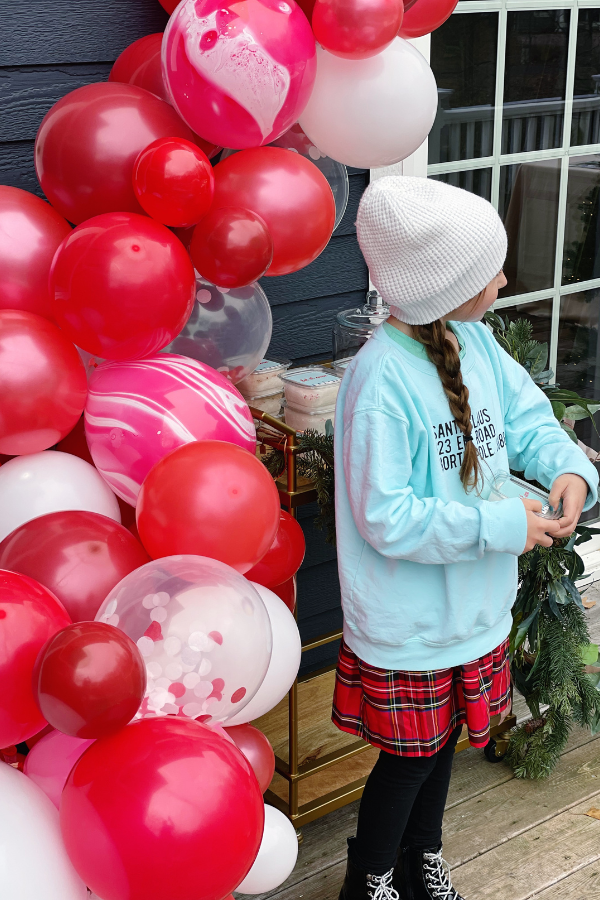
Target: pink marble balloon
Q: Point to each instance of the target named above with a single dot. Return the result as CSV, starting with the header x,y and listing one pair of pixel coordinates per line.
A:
x,y
139,410
239,72
51,760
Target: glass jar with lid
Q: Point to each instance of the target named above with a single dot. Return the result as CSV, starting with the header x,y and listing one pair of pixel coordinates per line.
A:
x,y
354,327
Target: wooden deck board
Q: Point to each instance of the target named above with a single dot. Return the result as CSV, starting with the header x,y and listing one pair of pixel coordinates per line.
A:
x,y
584,884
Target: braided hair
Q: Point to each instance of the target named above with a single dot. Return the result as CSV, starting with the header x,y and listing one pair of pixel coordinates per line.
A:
x,y
445,358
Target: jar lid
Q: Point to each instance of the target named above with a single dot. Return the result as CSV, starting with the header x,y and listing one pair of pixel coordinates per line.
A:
x,y
311,377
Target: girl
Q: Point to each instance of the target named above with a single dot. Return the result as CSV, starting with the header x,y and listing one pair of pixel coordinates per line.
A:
x,y
428,567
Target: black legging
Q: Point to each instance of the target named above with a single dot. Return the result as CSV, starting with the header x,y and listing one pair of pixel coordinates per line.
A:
x,y
402,805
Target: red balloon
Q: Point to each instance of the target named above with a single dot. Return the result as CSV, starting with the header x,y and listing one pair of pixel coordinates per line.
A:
x,y
29,616
231,247
140,64
283,188
356,29
30,232
169,5
162,810
288,592
79,556
123,286
283,558
424,16
88,142
209,498
90,680
258,751
307,7
42,383
173,181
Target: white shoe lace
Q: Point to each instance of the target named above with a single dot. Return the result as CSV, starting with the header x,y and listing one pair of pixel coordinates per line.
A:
x,y
437,876
382,884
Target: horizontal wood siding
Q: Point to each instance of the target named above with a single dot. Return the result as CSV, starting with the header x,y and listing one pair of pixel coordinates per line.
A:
x,y
51,47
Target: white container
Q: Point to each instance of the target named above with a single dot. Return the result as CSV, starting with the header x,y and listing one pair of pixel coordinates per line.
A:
x,y
303,419
265,379
340,365
313,387
268,402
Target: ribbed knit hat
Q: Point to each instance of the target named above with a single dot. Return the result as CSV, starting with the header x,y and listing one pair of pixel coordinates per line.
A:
x,y
429,246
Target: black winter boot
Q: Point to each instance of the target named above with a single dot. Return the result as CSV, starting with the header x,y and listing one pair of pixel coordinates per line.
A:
x,y
423,875
360,886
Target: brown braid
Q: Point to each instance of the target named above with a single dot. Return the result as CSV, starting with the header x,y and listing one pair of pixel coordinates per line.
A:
x,y
443,355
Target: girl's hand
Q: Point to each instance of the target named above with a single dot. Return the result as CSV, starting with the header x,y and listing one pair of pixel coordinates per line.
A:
x,y
573,490
539,531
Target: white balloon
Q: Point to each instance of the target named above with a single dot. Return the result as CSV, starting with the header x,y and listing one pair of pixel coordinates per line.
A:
x,y
371,112
276,857
31,486
33,861
285,660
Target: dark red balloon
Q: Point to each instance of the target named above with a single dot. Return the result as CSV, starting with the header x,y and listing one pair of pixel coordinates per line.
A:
x,y
424,16
88,142
284,189
169,5
30,232
283,558
123,286
356,29
79,556
231,247
209,498
140,64
29,616
173,181
288,592
43,386
89,680
258,751
162,810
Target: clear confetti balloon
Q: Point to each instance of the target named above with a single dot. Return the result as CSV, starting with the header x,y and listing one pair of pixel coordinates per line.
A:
x,y
228,330
203,631
335,172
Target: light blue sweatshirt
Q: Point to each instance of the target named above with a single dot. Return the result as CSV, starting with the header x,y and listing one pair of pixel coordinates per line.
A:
x,y
428,572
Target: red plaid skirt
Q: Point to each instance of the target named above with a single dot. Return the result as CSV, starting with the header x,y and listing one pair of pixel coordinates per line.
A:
x,y
414,713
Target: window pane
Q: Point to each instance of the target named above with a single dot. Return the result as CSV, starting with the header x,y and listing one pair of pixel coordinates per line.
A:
x,y
528,205
578,362
478,181
538,313
534,80
581,258
585,127
463,59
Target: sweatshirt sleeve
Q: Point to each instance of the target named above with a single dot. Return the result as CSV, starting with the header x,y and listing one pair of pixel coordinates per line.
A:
x,y
398,524
535,442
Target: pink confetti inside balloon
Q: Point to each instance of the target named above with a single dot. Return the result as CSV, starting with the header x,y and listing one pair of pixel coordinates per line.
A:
x,y
138,411
204,633
241,72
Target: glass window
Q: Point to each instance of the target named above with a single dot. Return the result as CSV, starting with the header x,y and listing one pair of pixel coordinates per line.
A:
x,y
528,205
581,258
478,181
578,359
585,125
463,59
535,79
538,313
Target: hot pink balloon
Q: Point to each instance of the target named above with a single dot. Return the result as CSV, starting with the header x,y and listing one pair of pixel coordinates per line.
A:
x,y
140,410
241,72
51,760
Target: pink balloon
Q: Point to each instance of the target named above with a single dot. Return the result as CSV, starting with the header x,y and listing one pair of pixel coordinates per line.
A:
x,y
140,410
239,72
51,760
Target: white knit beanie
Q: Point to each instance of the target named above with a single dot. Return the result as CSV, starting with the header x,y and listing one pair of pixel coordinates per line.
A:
x,y
429,246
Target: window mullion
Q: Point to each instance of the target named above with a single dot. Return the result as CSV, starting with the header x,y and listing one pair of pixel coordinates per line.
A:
x,y
499,103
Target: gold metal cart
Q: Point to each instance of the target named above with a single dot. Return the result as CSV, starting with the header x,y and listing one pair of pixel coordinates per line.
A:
x,y
294,492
